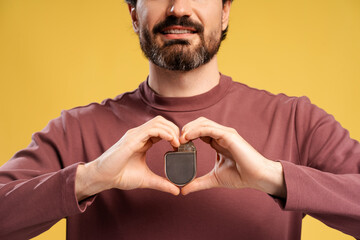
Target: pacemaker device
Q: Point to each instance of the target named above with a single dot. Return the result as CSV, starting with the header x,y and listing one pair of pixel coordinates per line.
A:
x,y
180,166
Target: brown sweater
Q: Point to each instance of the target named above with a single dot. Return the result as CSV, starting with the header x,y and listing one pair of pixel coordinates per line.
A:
x,y
321,166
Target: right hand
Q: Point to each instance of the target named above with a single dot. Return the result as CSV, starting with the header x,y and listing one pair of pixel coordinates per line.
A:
x,y
123,165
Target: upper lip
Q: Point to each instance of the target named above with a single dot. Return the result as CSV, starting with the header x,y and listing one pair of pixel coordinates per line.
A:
x,y
177,27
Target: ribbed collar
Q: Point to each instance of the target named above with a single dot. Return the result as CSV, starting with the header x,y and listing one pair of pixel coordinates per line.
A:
x,y
185,104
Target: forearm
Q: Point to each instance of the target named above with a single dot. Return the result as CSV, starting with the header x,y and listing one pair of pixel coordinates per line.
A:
x,y
331,198
33,205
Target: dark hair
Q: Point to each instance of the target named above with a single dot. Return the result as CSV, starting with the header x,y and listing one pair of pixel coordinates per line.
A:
x,y
223,33
133,2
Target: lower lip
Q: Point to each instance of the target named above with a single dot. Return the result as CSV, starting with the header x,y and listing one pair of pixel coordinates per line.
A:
x,y
178,36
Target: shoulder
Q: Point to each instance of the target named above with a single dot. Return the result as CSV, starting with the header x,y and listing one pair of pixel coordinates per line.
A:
x,y
267,106
104,108
94,114
263,99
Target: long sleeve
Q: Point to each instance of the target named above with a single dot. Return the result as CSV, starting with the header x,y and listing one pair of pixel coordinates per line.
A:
x,y
37,184
326,183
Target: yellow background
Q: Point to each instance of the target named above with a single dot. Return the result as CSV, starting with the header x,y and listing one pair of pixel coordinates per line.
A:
x,y
56,55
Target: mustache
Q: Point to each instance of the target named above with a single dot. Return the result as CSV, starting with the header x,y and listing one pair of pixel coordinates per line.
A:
x,y
182,21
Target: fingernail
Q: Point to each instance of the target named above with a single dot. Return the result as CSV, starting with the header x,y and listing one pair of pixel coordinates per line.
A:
x,y
183,136
183,133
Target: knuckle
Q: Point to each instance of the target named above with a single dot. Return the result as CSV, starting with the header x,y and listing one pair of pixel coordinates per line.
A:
x,y
153,121
158,118
233,130
202,119
130,131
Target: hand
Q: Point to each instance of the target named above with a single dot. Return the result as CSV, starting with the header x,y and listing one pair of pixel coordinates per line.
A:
x,y
123,166
238,164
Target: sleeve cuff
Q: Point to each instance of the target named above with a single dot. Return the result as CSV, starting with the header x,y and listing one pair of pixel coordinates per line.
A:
x,y
69,200
292,184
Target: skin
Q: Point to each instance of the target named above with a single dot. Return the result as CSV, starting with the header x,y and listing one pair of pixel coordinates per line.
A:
x,y
210,14
238,164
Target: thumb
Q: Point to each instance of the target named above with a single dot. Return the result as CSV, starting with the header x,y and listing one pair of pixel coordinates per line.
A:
x,y
156,182
205,182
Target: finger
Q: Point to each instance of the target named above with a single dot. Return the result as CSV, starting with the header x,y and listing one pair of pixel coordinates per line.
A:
x,y
156,182
213,144
174,127
165,122
187,127
202,127
162,133
221,138
160,122
205,182
201,131
161,128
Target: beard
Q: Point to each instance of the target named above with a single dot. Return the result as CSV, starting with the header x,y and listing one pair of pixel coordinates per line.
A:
x,y
179,54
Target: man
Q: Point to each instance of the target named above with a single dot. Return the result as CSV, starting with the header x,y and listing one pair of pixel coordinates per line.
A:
x,y
263,160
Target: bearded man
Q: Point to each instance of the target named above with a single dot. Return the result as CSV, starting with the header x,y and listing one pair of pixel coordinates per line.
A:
x,y
263,160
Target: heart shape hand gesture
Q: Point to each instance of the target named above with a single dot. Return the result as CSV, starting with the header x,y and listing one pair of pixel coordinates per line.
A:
x,y
123,166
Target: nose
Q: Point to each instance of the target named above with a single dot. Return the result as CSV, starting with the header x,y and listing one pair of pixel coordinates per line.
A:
x,y
179,8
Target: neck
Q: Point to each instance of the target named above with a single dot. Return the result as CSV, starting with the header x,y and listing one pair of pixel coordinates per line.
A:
x,y
184,84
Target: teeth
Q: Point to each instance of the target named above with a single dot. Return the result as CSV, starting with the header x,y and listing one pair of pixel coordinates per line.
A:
x,y
177,31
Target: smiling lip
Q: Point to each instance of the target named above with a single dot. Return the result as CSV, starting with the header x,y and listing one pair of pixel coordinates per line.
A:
x,y
178,32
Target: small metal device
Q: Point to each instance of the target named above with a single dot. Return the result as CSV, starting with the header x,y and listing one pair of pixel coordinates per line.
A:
x,y
180,166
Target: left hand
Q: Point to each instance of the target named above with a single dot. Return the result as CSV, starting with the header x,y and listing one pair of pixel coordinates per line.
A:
x,y
238,164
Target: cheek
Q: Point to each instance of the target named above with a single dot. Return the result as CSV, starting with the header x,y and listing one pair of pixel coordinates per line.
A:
x,y
212,19
150,15
213,29
143,15
143,21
